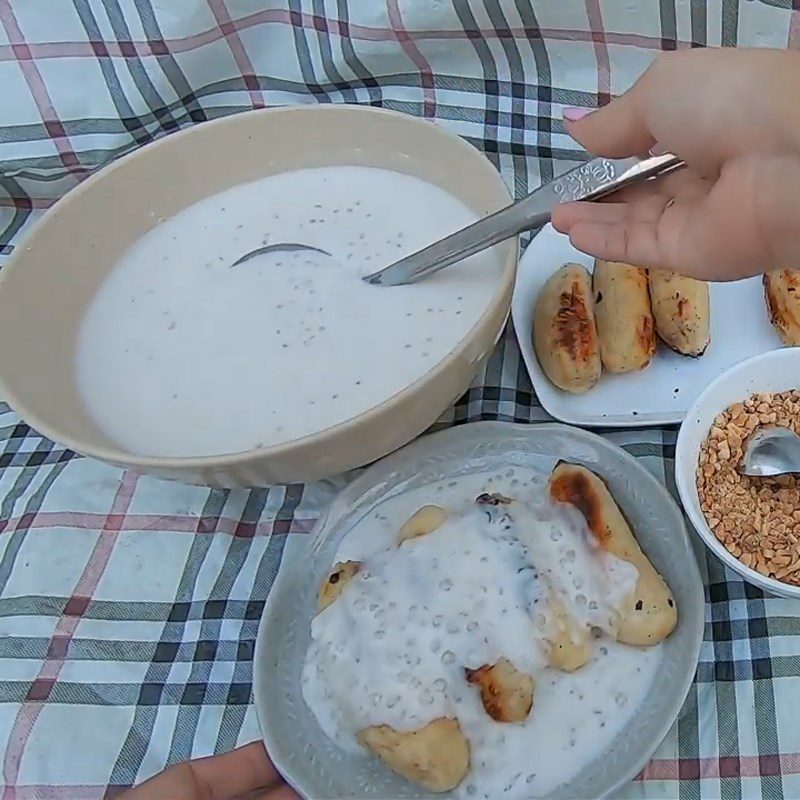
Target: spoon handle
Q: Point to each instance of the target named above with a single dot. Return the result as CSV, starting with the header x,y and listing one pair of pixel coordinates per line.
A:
x,y
590,181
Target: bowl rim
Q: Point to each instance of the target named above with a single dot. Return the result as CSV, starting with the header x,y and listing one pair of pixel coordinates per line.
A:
x,y
686,464
417,448
119,455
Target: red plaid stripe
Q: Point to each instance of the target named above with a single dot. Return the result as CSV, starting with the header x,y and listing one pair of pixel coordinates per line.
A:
x,y
143,48
39,92
65,629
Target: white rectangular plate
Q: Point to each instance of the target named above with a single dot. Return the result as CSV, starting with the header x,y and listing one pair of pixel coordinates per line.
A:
x,y
662,393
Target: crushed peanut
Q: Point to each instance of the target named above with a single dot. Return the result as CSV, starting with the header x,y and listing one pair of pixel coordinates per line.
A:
x,y
756,519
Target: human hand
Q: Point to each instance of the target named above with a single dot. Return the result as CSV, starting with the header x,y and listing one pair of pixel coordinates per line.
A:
x,y
246,773
732,115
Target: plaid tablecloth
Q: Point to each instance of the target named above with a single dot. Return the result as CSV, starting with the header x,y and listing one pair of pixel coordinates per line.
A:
x,y
129,606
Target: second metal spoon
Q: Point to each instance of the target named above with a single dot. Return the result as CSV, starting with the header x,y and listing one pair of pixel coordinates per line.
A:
x,y
771,451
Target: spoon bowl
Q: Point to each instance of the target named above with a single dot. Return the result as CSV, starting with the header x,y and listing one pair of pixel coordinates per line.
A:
x,y
286,247
771,450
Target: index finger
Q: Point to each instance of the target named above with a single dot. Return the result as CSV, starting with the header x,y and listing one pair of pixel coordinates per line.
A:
x,y
236,773
221,777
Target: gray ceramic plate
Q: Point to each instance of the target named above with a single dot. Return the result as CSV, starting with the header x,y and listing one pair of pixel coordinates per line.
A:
x,y
299,748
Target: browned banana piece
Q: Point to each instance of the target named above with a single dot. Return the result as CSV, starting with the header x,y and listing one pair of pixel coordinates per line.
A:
x,y
624,320
333,585
425,520
436,757
682,311
506,692
782,295
564,330
648,614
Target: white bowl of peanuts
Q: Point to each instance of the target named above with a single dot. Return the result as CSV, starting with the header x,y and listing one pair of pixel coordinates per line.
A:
x,y
751,524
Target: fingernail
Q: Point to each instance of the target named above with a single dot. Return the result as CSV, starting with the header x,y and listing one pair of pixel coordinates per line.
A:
x,y
573,114
657,150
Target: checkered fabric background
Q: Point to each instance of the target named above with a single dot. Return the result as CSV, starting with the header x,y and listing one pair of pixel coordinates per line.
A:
x,y
129,606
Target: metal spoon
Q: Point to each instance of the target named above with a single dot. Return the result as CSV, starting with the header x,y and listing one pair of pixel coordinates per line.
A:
x,y
771,451
593,180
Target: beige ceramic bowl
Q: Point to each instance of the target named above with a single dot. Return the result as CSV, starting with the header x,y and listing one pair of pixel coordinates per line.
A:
x,y
49,282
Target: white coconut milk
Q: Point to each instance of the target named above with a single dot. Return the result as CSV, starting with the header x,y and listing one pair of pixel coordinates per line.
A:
x,y
393,647
182,355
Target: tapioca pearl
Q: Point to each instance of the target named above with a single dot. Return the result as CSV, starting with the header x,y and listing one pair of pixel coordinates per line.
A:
x,y
452,628
376,699
440,685
555,535
437,621
580,600
448,657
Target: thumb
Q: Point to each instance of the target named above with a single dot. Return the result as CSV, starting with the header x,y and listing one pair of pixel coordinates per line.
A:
x,y
617,130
